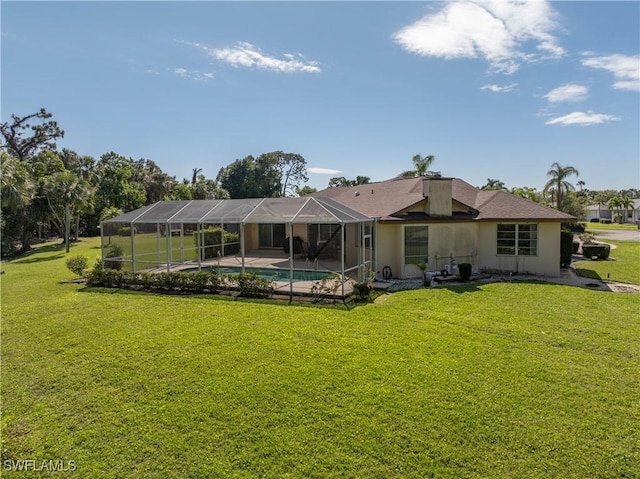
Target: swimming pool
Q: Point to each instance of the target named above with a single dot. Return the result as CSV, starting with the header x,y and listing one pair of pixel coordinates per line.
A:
x,y
274,274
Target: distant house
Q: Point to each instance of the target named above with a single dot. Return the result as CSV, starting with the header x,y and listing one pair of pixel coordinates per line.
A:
x,y
603,212
443,221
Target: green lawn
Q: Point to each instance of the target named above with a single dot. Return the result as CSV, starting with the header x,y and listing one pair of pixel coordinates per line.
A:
x,y
611,226
500,380
623,264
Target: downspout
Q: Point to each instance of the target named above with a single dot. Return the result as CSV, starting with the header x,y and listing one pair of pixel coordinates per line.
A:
x,y
342,256
133,248
198,244
168,233
290,261
242,244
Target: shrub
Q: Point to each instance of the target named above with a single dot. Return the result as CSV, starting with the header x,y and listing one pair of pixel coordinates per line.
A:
x,y
464,270
605,221
78,264
566,248
200,282
251,285
211,240
601,251
594,220
113,257
574,227
362,290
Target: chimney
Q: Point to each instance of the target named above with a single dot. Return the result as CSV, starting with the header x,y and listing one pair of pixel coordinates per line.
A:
x,y
437,191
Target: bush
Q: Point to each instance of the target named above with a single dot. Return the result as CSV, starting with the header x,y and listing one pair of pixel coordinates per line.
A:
x,y
197,282
575,247
78,264
464,270
601,251
566,248
362,290
211,240
574,227
113,251
605,221
251,285
126,231
594,220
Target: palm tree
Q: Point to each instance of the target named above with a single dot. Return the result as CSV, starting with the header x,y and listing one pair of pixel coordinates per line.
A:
x,y
626,204
494,185
421,166
558,182
17,188
68,190
581,184
615,203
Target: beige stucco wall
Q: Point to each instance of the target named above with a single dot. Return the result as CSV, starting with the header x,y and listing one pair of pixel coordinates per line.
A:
x,y
546,263
459,239
473,243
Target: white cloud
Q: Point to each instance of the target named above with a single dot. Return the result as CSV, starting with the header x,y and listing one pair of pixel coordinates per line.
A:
x,y
495,31
196,75
569,92
582,118
323,171
625,69
245,54
499,88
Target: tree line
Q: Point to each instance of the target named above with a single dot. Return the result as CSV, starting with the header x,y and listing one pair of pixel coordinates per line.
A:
x,y
46,191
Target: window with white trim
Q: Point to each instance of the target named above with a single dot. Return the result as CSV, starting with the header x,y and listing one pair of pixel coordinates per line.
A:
x,y
517,239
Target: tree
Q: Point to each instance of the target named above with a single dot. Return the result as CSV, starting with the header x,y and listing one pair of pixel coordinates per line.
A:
x,y
65,193
558,183
528,193
421,165
291,168
615,203
306,190
581,184
43,134
117,184
251,178
342,181
194,176
626,204
494,185
17,191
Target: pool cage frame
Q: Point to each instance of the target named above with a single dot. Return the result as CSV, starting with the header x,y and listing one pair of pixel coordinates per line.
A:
x,y
171,219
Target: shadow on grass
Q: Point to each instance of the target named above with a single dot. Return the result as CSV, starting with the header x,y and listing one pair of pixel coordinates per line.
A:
x,y
462,288
226,296
588,273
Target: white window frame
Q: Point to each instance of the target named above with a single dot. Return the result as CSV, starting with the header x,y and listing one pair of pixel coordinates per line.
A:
x,y
522,233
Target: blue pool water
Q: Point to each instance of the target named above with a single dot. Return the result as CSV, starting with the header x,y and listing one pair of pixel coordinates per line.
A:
x,y
268,273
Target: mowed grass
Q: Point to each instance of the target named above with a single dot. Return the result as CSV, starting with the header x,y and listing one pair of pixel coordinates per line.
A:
x,y
611,226
497,380
623,264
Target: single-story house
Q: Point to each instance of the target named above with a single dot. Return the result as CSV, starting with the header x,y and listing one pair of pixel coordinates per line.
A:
x,y
603,212
443,221
393,228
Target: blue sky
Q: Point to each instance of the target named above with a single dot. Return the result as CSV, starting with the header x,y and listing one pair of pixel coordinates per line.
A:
x,y
492,89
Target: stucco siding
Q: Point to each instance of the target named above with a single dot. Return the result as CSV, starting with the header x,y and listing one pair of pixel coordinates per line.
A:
x,y
546,262
459,240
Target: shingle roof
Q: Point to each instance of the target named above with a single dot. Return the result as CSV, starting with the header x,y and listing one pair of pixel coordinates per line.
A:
x,y
386,199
